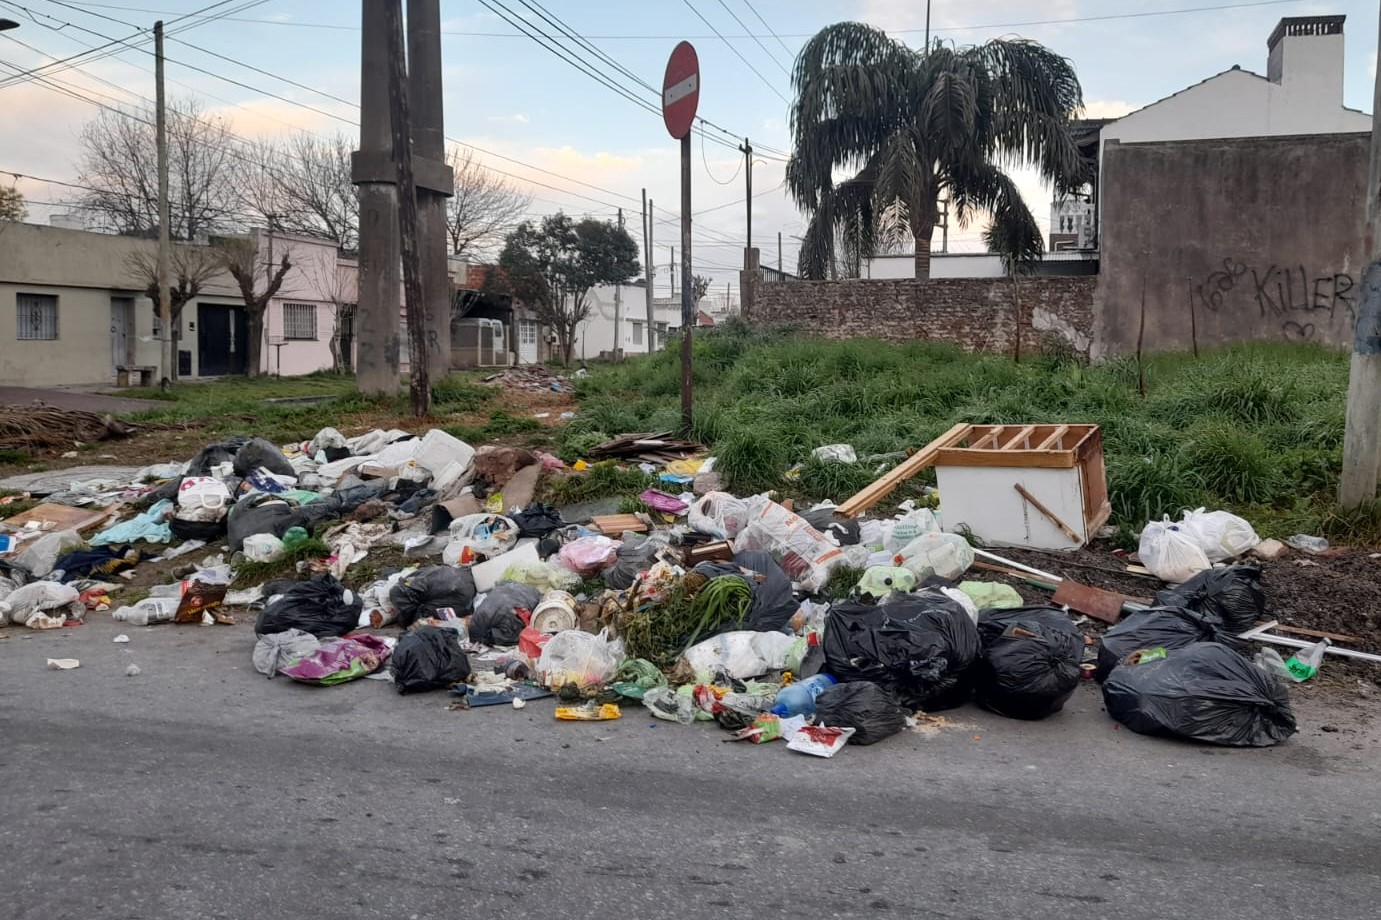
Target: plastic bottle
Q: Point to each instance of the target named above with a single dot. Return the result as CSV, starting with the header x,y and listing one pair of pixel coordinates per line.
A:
x,y
1305,663
799,698
149,611
295,536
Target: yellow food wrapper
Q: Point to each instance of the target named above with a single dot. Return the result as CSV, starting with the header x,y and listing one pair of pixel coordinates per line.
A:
x,y
604,713
684,467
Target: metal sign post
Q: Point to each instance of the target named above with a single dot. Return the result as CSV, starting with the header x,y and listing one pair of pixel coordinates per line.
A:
x,y
680,99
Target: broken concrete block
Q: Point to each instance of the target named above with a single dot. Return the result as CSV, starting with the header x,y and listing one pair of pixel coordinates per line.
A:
x,y
1269,549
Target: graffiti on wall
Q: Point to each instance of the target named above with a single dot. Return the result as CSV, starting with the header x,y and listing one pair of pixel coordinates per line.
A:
x,y
1303,303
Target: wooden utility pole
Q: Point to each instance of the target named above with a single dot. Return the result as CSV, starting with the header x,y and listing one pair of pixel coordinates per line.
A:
x,y
779,256
618,305
671,263
400,122
651,270
1362,438
165,304
377,346
747,150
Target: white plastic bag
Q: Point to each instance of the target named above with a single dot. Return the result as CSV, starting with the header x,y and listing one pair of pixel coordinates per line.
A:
x,y
486,535
580,658
1220,534
946,555
805,554
42,605
742,654
835,453
719,515
326,438
1171,554
263,547
202,498
908,527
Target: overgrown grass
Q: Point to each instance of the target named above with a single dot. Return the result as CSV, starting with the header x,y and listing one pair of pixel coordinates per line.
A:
x,y
1254,428
602,480
257,573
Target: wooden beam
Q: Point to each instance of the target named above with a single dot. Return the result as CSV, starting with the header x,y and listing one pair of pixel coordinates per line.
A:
x,y
992,436
1054,439
1050,516
1022,436
1039,459
872,494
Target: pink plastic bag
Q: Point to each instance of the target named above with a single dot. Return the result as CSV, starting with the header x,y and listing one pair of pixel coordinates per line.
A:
x,y
340,660
589,555
661,501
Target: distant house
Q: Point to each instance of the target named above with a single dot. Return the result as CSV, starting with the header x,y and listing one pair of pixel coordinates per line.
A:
x,y
1301,93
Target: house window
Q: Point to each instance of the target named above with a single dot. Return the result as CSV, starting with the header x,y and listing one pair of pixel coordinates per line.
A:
x,y
36,317
527,332
637,333
299,322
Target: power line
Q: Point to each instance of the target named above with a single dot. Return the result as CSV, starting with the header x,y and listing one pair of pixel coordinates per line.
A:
x,y
754,10
769,54
735,50
778,36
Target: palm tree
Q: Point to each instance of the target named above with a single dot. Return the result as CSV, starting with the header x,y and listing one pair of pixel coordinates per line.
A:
x,y
910,126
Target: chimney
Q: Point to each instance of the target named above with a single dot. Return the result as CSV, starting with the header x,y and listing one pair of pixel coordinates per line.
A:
x,y
1305,55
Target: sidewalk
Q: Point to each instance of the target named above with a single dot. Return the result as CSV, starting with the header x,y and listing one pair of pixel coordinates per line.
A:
x,y
71,399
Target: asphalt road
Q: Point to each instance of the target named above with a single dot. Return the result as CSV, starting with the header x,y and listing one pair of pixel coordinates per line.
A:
x,y
199,789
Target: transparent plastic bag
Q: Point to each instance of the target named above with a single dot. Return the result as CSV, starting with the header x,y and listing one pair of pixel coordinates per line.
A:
x,y
718,514
945,555
39,556
580,658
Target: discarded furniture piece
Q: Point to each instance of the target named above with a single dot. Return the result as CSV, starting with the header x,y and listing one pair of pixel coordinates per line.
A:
x,y
124,372
1041,486
50,517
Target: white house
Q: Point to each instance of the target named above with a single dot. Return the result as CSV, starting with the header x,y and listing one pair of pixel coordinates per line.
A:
x,y
598,335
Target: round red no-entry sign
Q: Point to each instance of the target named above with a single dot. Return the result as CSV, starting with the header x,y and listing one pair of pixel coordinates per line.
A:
x,y
681,90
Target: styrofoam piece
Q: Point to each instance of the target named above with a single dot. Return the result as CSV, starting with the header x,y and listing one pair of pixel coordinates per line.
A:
x,y
487,574
438,449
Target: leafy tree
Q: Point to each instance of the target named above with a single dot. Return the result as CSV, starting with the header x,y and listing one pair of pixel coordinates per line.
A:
x,y
552,267
12,204
910,126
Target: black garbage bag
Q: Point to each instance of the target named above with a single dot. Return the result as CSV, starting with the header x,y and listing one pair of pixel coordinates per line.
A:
x,y
632,557
537,520
213,455
428,658
921,646
263,513
496,621
208,531
773,603
1206,692
874,713
825,520
1233,594
1030,661
258,453
1159,627
427,590
321,606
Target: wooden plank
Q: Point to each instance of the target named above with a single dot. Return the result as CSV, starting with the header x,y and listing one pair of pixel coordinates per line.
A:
x,y
1051,516
1020,438
1040,459
611,525
1312,633
991,436
872,494
1055,438
63,517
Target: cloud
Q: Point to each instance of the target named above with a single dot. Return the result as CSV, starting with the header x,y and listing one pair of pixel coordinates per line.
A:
x,y
954,20
1108,108
272,117
517,118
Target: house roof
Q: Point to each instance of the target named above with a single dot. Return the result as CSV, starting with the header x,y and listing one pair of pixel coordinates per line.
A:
x,y
1235,68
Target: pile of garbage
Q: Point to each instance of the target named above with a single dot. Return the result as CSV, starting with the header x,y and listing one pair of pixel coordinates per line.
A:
x,y
732,614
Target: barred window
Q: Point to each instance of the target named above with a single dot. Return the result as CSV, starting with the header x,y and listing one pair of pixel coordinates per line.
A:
x,y
299,321
36,317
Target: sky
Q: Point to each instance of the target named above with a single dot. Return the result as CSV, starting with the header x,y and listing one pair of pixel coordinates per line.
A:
x,y
577,145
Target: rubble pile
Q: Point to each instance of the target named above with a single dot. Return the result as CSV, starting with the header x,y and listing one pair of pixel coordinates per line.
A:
x,y
535,377
727,609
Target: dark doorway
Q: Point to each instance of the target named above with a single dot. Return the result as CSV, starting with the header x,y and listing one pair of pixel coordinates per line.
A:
x,y
347,337
221,340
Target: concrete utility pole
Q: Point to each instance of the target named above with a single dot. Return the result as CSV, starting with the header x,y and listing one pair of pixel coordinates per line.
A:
x,y
779,255
434,180
419,388
165,304
650,268
376,314
618,306
747,150
1362,439
672,264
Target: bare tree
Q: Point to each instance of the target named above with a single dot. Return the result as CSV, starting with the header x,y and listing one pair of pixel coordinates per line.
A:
x,y
190,268
240,257
119,163
700,286
484,208
339,285
302,184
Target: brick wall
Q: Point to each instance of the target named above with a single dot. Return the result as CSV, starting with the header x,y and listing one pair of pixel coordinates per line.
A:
x,y
975,313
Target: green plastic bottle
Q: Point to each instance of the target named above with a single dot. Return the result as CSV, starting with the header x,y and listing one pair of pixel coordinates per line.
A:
x,y
295,537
